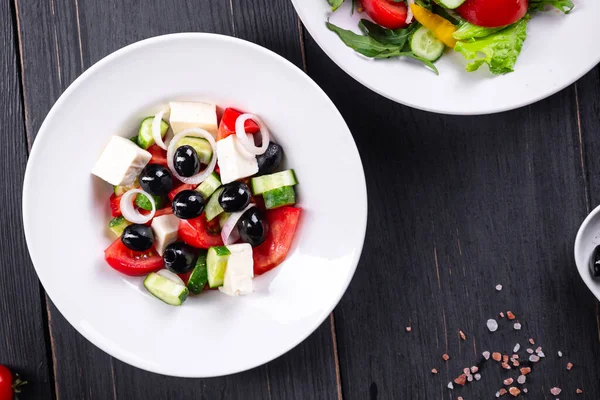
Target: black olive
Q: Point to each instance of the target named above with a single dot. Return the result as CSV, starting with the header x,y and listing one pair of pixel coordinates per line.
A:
x,y
253,227
138,237
188,204
156,179
180,257
270,159
186,161
595,262
235,196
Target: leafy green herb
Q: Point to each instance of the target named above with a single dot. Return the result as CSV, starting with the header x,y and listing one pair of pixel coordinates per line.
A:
x,y
395,37
365,45
408,54
424,3
500,49
468,31
565,6
335,4
144,203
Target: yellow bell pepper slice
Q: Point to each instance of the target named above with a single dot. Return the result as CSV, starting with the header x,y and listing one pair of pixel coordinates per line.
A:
x,y
441,27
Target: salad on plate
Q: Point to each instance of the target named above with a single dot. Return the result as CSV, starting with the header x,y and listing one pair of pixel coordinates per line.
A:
x,y
198,203
488,32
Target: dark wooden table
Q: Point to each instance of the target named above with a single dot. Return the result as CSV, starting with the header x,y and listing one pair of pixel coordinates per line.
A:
x,y
457,206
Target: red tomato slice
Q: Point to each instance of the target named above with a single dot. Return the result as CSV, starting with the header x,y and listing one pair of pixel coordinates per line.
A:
x,y
115,205
159,156
387,13
130,262
163,211
493,13
185,186
194,232
282,228
227,124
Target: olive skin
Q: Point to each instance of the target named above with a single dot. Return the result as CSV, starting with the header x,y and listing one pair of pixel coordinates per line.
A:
x,y
269,161
156,179
253,227
235,196
138,237
188,204
180,257
595,263
186,161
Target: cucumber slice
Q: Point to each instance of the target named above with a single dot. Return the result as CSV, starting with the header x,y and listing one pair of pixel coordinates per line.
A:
x,y
223,219
451,4
201,146
144,138
283,196
134,140
265,183
216,262
213,208
118,225
424,44
199,276
165,289
209,185
142,202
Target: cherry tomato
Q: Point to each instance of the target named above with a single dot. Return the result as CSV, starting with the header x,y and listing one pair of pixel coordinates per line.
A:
x,y
196,233
227,124
493,13
159,156
115,205
181,188
387,13
6,382
283,223
130,262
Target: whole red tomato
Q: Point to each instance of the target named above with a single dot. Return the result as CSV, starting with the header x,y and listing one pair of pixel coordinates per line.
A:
x,y
387,13
493,13
6,382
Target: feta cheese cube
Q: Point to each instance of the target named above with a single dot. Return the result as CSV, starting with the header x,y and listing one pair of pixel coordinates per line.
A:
x,y
233,164
121,161
240,271
185,115
165,231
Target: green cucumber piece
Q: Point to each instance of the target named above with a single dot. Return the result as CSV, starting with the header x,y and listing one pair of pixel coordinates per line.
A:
x,y
424,44
451,4
117,225
201,146
213,208
134,140
216,262
283,196
165,289
210,185
199,276
223,218
145,138
265,183
142,202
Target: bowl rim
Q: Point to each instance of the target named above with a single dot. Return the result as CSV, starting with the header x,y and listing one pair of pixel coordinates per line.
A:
x,y
43,135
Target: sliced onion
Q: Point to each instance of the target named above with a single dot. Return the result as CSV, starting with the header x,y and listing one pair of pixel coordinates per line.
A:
x,y
249,148
156,129
129,211
409,14
173,277
229,234
202,175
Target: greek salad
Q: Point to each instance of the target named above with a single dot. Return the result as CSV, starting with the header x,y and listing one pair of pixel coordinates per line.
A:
x,y
198,203
488,32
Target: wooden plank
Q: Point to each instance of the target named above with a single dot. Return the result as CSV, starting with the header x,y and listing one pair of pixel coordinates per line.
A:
x,y
458,205
22,342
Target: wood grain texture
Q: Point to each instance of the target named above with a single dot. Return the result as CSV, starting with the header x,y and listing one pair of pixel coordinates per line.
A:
x,y
22,343
456,206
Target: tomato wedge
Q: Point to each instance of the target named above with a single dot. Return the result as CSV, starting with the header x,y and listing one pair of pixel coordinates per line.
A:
x,y
159,156
133,263
283,223
195,233
115,205
387,13
493,13
181,188
227,124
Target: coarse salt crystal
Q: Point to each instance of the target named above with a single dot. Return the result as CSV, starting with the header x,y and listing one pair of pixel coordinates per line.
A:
x,y
560,353
569,366
579,391
555,391
517,326
486,355
462,335
477,377
508,381
470,378
497,394
434,371
474,369
530,351
501,314
510,315
498,287
514,391
521,379
408,329
534,358
541,354
531,341
516,348
450,385
492,325
525,390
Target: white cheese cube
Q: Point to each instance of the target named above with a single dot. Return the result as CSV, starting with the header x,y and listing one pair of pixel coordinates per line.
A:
x,y
165,231
185,115
233,164
240,271
121,161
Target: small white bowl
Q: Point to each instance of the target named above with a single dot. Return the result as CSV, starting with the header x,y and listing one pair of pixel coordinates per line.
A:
x,y
588,237
65,208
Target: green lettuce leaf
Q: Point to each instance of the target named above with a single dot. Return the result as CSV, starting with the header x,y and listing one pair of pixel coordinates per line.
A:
x,y
335,4
565,6
499,50
468,31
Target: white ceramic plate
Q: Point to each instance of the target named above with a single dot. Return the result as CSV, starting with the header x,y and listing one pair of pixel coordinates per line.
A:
x,y
588,237
559,50
65,208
